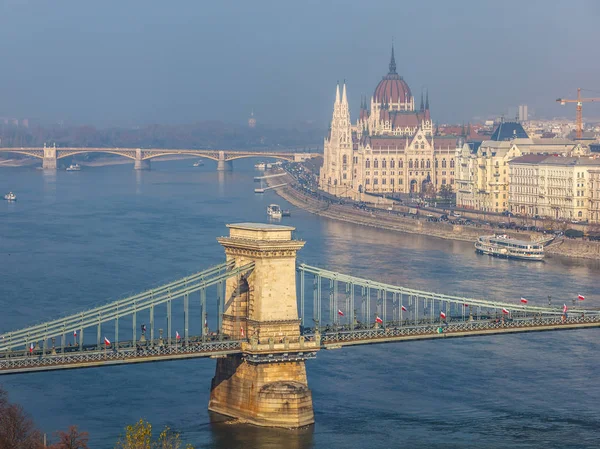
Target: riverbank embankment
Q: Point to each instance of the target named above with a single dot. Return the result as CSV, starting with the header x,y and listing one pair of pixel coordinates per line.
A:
x,y
412,224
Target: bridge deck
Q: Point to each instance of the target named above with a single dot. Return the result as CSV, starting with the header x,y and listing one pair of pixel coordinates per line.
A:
x,y
73,358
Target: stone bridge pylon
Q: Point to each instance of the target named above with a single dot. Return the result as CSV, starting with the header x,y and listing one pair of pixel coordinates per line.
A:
x,y
266,385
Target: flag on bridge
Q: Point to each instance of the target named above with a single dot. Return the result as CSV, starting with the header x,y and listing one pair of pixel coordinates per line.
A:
x,y
242,331
405,309
177,336
466,305
524,301
565,308
580,297
106,341
74,334
340,313
31,348
442,315
506,312
378,320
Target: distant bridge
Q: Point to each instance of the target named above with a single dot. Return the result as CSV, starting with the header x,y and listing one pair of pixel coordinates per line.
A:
x,y
260,330
142,157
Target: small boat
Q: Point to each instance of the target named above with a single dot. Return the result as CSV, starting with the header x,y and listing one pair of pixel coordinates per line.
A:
x,y
286,213
260,166
509,248
274,211
75,167
10,197
199,163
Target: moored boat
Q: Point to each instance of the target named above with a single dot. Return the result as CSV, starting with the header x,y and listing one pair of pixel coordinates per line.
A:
x,y
199,163
10,197
274,211
509,248
74,167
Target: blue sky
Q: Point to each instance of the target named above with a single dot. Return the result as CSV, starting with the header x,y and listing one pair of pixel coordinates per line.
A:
x,y
144,61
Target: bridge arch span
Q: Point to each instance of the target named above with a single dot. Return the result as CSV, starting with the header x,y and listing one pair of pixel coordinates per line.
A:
x,y
64,154
32,153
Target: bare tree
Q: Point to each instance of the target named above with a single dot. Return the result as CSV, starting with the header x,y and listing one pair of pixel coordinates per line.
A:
x,y
17,430
71,439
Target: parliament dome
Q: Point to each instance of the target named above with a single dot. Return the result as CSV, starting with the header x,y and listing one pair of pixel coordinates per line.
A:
x,y
392,88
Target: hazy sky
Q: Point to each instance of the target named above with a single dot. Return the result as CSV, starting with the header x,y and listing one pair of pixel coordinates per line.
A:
x,y
139,61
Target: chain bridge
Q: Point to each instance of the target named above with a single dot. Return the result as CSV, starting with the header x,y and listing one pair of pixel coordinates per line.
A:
x,y
141,157
262,316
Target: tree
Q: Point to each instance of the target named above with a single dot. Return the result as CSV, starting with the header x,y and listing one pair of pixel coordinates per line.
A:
x,y
139,436
71,439
446,191
17,430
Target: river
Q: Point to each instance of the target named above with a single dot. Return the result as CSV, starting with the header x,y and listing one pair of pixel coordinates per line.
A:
x,y
77,239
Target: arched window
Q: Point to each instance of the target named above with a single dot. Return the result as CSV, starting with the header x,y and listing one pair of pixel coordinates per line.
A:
x,y
344,159
422,163
375,163
400,163
452,164
368,164
410,164
422,146
443,163
383,164
436,163
428,164
392,164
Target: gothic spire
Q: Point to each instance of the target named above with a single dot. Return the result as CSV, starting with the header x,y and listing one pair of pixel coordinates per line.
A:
x,y
344,98
427,101
337,93
422,107
392,62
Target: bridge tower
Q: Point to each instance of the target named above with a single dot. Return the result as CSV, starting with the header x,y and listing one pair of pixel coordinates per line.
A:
x,y
223,164
266,385
140,163
50,160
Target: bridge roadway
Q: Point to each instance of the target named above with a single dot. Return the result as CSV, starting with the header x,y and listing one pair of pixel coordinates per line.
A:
x,y
73,357
142,156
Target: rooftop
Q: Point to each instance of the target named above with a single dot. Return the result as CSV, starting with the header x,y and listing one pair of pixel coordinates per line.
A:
x,y
260,227
509,131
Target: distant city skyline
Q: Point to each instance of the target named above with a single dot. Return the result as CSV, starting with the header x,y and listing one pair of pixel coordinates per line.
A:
x,y
134,63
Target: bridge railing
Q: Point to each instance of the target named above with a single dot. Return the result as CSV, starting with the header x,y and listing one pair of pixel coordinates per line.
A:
x,y
348,301
76,324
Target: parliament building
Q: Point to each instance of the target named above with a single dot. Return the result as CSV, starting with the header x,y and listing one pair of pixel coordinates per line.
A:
x,y
392,147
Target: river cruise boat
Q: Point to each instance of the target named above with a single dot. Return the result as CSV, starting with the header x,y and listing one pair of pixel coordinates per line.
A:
x,y
260,166
509,248
74,167
10,197
199,163
274,211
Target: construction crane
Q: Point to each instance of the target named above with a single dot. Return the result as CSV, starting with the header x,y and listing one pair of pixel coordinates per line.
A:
x,y
579,102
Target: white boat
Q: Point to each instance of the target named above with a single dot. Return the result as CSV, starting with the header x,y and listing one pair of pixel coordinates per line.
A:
x,y
260,166
509,248
274,211
10,197
199,163
72,167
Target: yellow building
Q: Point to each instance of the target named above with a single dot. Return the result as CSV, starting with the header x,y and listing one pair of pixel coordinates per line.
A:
x,y
553,186
594,189
482,178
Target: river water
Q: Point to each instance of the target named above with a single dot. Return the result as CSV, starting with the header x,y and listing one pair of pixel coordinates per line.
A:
x,y
74,240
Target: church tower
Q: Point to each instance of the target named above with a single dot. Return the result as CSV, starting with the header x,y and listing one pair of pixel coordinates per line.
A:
x,y
336,173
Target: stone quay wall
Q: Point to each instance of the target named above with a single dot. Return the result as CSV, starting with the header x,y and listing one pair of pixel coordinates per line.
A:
x,y
383,219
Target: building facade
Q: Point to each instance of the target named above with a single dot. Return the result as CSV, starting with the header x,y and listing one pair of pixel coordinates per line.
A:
x,y
482,174
594,189
392,147
554,187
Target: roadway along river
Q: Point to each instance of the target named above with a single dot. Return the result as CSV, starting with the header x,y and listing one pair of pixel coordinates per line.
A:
x,y
81,238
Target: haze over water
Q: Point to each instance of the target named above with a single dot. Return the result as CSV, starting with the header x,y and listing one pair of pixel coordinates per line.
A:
x,y
74,240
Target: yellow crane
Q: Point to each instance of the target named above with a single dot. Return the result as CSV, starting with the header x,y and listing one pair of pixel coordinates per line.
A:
x,y
579,116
